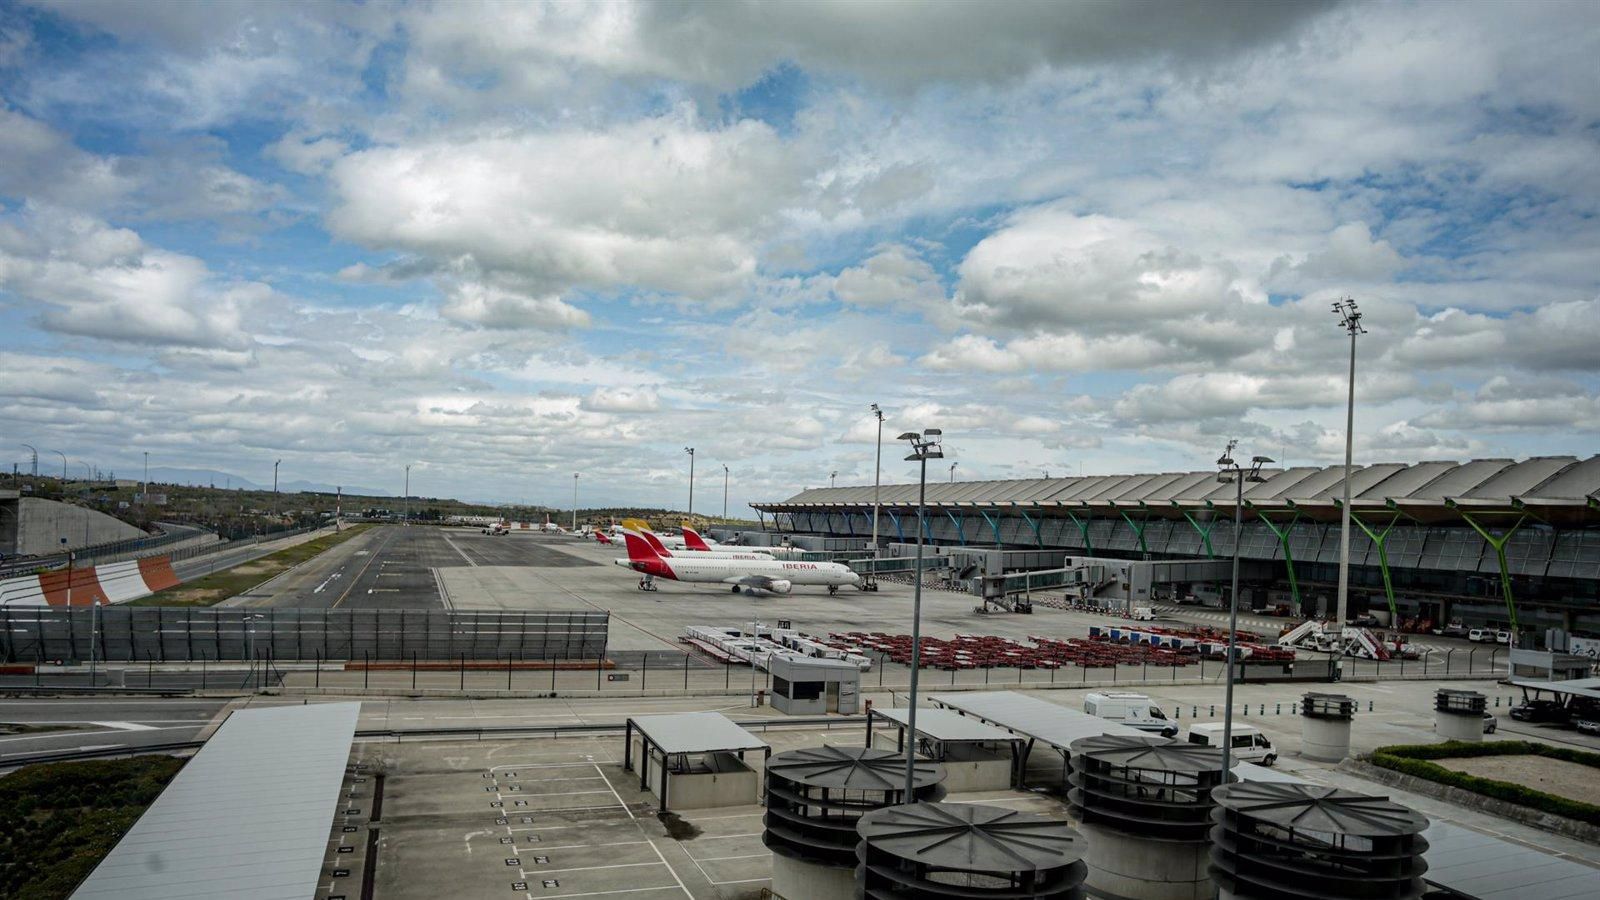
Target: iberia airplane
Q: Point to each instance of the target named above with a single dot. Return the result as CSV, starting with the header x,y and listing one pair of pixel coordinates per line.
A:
x,y
742,574
667,551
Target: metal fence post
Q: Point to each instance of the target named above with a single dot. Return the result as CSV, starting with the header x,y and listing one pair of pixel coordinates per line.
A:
x,y
463,673
727,674
597,664
366,670
202,672
686,670
552,677
318,675
644,671
508,672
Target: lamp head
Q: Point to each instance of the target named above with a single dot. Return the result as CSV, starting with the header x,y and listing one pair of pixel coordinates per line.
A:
x,y
933,432
1225,461
1258,460
909,436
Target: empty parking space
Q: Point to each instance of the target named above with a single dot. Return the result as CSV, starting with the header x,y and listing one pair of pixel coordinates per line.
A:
x,y
547,818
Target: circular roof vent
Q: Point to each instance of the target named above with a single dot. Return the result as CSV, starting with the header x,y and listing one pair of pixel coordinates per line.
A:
x,y
1148,786
815,796
1302,840
968,850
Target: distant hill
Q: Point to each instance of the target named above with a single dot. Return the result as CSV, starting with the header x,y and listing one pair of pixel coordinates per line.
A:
x,y
212,477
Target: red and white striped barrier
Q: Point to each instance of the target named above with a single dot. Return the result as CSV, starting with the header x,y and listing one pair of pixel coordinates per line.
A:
x,y
111,583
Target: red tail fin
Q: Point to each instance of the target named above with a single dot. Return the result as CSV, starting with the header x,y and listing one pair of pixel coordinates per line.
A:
x,y
655,543
639,550
692,539
601,537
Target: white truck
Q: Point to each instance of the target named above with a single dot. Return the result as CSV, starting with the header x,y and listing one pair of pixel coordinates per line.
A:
x,y
1130,709
1249,744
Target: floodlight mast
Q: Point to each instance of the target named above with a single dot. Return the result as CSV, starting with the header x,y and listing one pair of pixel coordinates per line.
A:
x,y
877,477
924,446
1350,320
1231,471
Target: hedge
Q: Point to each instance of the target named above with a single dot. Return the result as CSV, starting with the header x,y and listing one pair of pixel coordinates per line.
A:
x,y
58,820
1416,761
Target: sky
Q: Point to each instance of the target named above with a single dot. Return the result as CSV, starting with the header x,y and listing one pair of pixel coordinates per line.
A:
x,y
505,243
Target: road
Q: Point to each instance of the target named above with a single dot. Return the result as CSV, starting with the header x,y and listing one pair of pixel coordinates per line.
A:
x,y
93,722
392,567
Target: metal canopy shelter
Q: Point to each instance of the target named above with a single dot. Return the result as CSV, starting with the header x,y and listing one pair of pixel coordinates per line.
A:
x,y
943,727
248,817
1037,720
681,735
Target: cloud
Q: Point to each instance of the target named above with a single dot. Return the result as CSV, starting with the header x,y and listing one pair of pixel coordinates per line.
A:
x,y
623,400
83,277
492,307
727,45
659,204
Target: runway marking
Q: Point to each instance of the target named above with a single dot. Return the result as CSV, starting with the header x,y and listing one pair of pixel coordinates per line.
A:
x,y
125,726
386,541
458,550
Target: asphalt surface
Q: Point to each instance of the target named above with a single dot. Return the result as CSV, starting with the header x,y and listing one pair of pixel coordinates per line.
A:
x,y
393,567
101,722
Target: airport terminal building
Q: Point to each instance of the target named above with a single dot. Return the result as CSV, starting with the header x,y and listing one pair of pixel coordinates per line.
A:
x,y
1484,542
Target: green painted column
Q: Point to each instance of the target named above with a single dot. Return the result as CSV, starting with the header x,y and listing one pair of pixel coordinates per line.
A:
x,y
1380,540
961,531
1499,545
993,525
1288,555
1083,528
1037,539
1205,532
1138,530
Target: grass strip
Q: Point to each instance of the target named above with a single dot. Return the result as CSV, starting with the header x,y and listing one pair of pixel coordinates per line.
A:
x,y
219,586
1417,760
60,819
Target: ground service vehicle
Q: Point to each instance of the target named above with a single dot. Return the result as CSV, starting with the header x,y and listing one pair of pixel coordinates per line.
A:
x,y
1249,744
1130,709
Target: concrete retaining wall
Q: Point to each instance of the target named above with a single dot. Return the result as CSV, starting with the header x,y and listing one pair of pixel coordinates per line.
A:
x,y
41,524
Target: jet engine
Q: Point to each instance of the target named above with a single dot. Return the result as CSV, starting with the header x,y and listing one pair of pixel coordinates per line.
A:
x,y
781,586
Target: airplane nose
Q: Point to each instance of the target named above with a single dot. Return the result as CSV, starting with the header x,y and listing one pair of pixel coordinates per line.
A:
x,y
855,578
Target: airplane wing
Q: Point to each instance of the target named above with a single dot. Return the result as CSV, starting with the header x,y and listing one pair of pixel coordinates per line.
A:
x,y
759,582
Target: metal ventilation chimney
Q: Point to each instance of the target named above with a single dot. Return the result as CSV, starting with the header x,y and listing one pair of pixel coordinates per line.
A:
x,y
814,799
1325,721
967,851
1145,804
1275,840
1458,715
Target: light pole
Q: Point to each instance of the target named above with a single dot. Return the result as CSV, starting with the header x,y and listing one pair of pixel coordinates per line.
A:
x,y
1231,471
145,496
953,472
405,502
690,451
832,477
924,446
35,453
63,465
877,473
574,501
1350,319
724,492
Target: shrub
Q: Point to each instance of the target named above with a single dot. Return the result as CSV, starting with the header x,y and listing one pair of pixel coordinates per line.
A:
x,y
1417,761
60,819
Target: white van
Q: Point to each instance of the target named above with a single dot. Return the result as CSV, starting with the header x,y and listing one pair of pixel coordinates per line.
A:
x,y
1130,709
1249,744
1481,635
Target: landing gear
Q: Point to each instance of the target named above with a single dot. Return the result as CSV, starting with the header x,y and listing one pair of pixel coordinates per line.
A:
x,y
647,584
736,589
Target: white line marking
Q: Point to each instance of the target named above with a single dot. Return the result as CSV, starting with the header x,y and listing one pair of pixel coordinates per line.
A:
x,y
629,812
674,872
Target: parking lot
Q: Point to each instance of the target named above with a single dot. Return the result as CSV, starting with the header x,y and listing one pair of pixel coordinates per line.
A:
x,y
546,818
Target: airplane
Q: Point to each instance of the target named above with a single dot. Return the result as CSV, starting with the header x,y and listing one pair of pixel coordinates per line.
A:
x,y
600,537
741,574
665,550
